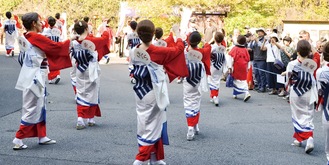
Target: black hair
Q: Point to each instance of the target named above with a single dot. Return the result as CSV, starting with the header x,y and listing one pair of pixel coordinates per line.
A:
x,y
86,19
241,40
8,14
194,39
51,21
29,18
158,33
80,27
145,30
133,25
219,37
57,15
326,51
304,48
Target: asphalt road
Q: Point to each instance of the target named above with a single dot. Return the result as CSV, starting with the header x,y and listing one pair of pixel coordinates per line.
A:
x,y
258,132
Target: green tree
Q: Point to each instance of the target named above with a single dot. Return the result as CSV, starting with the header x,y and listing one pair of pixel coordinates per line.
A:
x,y
254,13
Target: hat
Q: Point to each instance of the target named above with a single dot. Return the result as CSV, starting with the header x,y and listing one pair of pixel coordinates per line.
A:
x,y
194,38
261,30
241,40
287,38
274,35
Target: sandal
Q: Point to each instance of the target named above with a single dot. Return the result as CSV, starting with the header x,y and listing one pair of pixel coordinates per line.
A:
x,y
90,124
80,127
19,147
50,141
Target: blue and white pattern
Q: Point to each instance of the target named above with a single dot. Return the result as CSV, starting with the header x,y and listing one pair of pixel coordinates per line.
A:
x,y
11,33
82,58
82,102
299,128
133,40
323,87
218,59
302,81
143,80
21,57
240,87
54,38
195,73
191,112
10,28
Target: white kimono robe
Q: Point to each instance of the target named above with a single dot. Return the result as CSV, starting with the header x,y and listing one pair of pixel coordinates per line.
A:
x,y
87,76
31,81
194,84
322,76
217,65
10,32
151,96
303,95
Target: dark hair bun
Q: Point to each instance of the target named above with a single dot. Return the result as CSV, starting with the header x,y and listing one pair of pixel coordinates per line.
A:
x,y
194,38
145,30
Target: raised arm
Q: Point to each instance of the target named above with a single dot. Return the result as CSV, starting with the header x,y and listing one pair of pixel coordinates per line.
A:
x,y
263,47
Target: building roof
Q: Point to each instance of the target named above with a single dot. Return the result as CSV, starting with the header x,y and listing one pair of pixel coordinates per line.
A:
x,y
304,22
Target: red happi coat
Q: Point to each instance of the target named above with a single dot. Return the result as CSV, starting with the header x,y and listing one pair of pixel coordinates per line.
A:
x,y
241,58
57,53
172,58
170,40
206,54
101,44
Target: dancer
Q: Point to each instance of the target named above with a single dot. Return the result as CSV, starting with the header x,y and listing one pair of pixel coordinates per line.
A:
x,y
198,66
322,77
218,62
87,51
37,50
151,92
53,33
238,67
303,95
11,34
133,40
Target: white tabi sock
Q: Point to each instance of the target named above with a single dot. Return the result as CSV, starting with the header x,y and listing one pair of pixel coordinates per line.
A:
x,y
44,139
18,141
80,121
91,120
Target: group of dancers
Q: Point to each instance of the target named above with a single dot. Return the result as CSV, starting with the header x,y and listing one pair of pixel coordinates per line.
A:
x,y
40,52
153,63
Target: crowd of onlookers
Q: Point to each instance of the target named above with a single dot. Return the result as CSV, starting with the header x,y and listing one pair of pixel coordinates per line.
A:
x,y
266,48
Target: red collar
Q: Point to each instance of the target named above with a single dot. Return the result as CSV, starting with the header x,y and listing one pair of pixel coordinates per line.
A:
x,y
299,60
